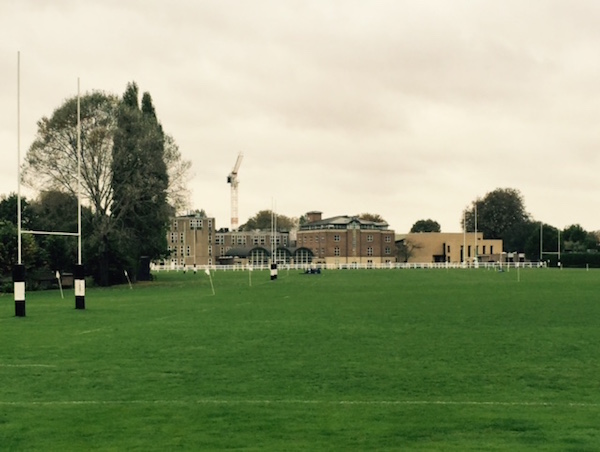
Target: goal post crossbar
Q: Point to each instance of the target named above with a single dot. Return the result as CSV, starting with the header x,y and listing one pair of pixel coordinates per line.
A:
x,y
25,231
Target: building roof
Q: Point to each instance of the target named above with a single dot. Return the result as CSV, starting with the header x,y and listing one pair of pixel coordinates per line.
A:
x,y
342,222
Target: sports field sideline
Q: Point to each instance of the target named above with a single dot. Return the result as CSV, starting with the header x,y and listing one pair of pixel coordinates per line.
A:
x,y
457,359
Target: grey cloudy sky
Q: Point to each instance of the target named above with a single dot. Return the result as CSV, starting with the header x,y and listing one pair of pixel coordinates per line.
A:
x,y
408,109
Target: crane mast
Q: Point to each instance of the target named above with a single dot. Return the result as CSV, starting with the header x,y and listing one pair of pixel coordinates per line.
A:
x,y
233,180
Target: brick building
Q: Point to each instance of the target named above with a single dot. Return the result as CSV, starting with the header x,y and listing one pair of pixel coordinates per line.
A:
x,y
346,240
342,240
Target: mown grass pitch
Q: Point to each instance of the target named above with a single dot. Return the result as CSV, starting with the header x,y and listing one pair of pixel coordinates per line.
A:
x,y
346,360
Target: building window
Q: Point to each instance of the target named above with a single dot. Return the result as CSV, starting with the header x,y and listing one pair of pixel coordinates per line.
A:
x,y
336,238
483,249
175,224
448,249
370,251
388,239
209,224
491,249
209,250
388,250
369,238
187,250
336,251
173,237
182,237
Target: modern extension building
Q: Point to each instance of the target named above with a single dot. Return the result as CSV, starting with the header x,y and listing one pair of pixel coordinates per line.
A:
x,y
453,247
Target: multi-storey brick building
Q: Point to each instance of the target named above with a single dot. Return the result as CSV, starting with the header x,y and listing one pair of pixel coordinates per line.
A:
x,y
346,240
342,240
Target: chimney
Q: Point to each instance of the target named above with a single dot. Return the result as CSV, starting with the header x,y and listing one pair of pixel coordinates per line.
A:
x,y
313,216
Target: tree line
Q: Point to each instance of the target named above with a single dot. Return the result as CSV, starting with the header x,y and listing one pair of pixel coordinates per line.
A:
x,y
501,214
133,179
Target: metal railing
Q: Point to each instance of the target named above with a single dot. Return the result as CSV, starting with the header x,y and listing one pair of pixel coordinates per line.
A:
x,y
353,266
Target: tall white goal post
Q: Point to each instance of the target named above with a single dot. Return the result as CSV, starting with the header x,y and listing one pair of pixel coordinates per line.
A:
x,y
19,268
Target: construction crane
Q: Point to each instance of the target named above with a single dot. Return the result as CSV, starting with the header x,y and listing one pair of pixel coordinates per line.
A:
x,y
232,179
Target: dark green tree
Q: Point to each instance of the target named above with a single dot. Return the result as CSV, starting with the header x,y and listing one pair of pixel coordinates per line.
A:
x,y
521,237
375,217
8,210
578,240
57,212
545,235
51,164
263,219
140,181
30,254
426,226
495,214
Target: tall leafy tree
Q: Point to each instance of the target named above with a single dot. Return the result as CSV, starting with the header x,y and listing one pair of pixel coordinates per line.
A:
x,y
51,164
577,239
496,213
140,179
262,221
51,161
426,226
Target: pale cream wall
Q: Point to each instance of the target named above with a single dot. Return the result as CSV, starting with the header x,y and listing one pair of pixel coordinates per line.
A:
x,y
426,245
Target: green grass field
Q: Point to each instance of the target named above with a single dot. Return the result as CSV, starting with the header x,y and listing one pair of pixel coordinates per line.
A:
x,y
449,360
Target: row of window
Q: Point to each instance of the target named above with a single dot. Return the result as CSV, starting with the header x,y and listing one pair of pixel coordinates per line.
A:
x,y
194,223
337,238
476,250
336,251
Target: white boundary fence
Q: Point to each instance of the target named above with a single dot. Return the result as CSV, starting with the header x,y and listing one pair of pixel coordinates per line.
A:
x,y
386,266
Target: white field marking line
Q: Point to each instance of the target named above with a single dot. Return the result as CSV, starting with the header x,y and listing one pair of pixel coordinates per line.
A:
x,y
89,331
300,402
27,365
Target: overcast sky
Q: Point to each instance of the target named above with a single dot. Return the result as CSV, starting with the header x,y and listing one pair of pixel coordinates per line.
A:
x,y
407,109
